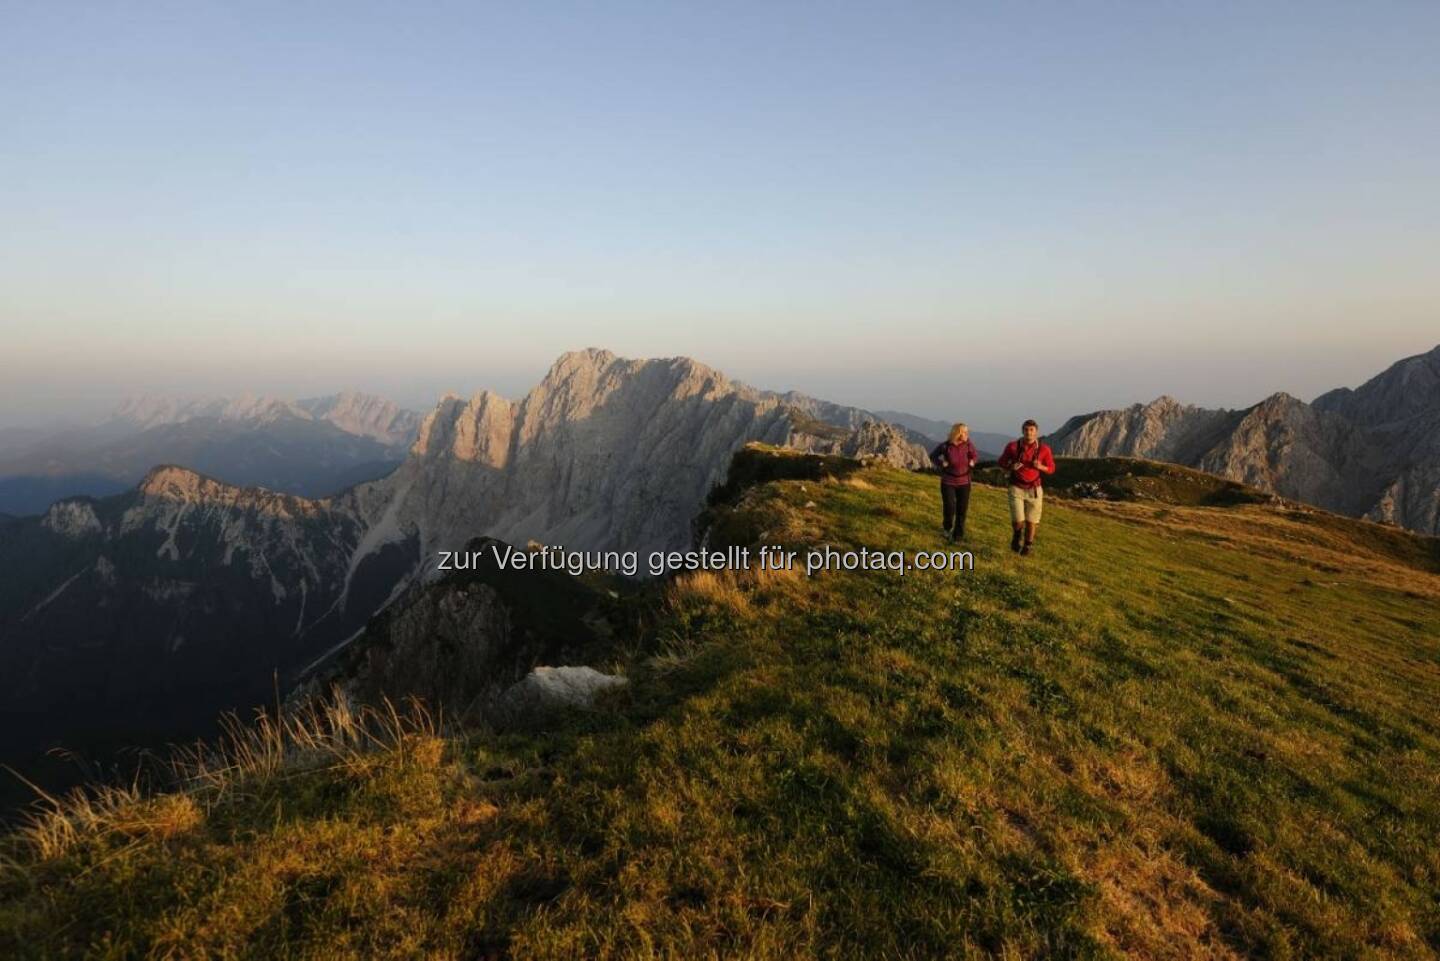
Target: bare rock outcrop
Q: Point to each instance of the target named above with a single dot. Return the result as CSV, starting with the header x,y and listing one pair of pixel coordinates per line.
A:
x,y
1404,395
547,692
1163,429
459,642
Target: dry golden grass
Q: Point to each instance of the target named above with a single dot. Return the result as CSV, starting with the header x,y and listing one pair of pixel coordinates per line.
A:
x,y
723,589
1156,906
318,733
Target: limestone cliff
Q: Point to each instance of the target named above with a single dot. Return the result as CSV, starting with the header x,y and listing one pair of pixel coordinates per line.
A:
x,y
605,452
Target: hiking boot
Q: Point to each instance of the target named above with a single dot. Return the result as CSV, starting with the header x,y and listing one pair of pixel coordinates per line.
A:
x,y
1025,550
1015,541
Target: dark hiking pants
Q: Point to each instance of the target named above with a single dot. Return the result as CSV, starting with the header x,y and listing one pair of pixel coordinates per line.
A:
x,y
955,499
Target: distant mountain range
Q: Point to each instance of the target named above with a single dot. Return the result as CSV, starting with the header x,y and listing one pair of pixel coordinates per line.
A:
x,y
1373,451
989,443
307,447
185,595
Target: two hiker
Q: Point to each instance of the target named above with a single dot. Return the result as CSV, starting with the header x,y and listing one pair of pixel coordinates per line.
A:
x,y
1026,460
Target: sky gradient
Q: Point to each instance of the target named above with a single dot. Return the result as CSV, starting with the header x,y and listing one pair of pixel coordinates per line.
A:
x,y
968,211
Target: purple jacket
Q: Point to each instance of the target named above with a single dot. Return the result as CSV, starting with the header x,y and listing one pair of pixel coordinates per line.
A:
x,y
955,471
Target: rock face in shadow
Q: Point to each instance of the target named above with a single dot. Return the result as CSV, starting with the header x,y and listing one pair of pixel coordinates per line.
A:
x,y
462,642
1400,409
1370,452
137,618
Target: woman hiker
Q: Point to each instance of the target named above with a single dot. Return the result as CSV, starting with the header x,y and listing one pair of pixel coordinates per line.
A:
x,y
955,457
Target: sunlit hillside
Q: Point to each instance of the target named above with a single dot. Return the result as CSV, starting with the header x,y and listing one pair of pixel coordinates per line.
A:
x,y
1173,731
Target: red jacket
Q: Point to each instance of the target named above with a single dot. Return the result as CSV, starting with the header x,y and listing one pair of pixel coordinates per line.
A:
x,y
1022,463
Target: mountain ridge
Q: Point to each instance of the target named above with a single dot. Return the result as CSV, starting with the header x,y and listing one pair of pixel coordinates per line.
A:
x,y
1371,451
603,452
310,447
354,412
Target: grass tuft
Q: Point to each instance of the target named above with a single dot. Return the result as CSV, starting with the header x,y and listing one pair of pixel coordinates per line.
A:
x,y
318,733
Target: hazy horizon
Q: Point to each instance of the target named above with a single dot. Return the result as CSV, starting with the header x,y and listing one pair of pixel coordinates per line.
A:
x,y
515,384
964,214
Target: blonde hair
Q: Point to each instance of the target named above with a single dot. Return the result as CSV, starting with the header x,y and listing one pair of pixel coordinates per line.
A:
x,y
955,430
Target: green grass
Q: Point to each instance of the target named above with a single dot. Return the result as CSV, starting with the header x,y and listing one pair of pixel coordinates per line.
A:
x,y
1132,479
1173,732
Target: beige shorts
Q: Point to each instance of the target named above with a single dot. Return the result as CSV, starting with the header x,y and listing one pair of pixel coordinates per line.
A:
x,y
1025,505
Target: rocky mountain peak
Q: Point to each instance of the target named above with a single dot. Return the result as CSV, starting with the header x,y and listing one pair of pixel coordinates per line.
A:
x,y
72,518
260,409
359,414
1406,390
169,486
1370,451
572,361
1280,403
174,482
478,429
366,415
148,410
604,452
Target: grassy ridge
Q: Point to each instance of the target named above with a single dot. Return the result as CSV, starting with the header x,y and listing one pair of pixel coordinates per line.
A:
x,y
1173,732
1130,478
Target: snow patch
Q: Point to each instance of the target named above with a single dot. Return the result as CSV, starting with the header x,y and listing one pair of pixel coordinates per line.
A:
x,y
386,530
53,594
330,653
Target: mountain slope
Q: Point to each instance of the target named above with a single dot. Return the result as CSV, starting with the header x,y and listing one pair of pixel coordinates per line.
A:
x,y
1400,407
362,415
1172,732
934,431
1373,451
138,616
1405,391
172,602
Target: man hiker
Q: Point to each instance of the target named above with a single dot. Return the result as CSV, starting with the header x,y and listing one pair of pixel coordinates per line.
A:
x,y
1027,459
955,457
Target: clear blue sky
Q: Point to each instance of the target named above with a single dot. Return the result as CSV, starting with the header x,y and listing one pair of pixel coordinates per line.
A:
x,y
885,204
